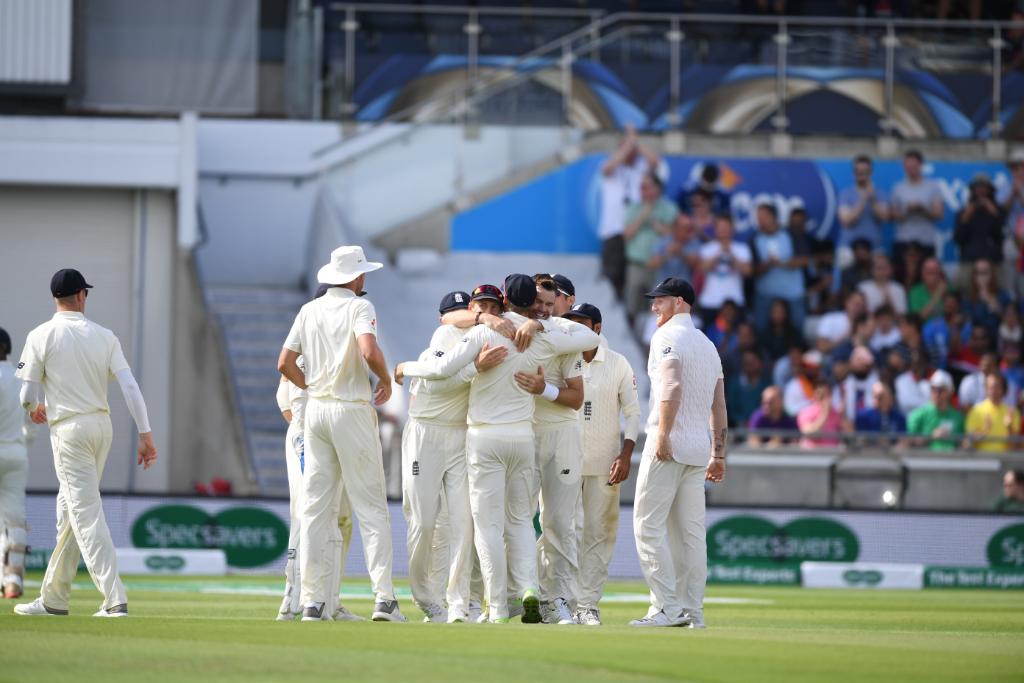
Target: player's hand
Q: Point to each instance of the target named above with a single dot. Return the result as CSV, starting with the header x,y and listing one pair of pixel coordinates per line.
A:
x,y
530,383
147,450
716,470
383,392
490,357
663,451
38,415
524,335
506,328
399,373
620,469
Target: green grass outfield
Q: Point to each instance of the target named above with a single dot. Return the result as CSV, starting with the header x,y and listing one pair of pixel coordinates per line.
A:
x,y
222,629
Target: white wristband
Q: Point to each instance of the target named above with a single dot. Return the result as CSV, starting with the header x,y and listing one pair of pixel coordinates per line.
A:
x,y
550,392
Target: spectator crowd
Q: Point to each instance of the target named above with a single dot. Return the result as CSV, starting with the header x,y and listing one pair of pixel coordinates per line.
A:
x,y
857,334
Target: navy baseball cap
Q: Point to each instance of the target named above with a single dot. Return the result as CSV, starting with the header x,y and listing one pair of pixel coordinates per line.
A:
x,y
67,282
588,311
5,341
565,287
487,292
520,289
454,301
674,286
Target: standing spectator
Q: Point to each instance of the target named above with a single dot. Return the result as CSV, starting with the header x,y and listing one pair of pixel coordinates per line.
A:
x,y
979,225
1011,199
819,421
938,420
881,289
621,176
799,391
985,301
944,336
743,390
702,216
854,393
835,327
885,417
678,254
991,422
1012,500
1010,332
926,296
779,270
859,270
724,263
718,198
912,387
862,210
916,207
770,417
973,390
781,335
647,222
814,256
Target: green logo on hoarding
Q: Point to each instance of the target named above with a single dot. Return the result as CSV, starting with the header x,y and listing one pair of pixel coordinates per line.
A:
x,y
867,577
249,536
170,563
1006,548
748,538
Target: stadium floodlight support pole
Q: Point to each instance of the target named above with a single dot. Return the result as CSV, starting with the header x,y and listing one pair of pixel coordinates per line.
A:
x,y
780,121
675,42
350,26
996,127
566,64
890,42
316,63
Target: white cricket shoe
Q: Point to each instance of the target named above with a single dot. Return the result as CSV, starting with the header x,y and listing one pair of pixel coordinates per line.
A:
x,y
342,614
387,610
315,612
114,612
475,612
588,617
36,608
457,616
694,618
557,612
287,616
434,614
657,619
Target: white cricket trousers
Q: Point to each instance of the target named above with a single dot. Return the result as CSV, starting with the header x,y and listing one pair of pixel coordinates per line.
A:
x,y
502,494
13,538
290,604
559,466
80,447
668,521
343,454
434,472
597,528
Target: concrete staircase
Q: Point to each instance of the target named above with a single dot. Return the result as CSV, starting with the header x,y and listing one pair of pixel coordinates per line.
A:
x,y
255,322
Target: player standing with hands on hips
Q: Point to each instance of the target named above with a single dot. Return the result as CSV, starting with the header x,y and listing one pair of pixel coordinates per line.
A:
x,y
679,455
72,359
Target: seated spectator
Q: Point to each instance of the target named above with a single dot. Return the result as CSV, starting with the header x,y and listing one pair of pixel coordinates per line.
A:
x,y
860,270
780,272
708,187
819,421
647,222
938,420
743,390
863,331
787,367
991,422
1011,198
863,208
781,335
770,417
886,336
1010,333
979,225
967,358
912,387
925,298
891,366
885,417
721,328
1012,500
910,270
678,254
1011,366
972,387
835,327
947,333
746,340
799,391
912,340
724,263
854,393
985,301
881,289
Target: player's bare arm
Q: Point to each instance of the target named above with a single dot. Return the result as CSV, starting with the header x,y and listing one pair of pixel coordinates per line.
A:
x,y
719,435
620,466
465,319
570,396
287,365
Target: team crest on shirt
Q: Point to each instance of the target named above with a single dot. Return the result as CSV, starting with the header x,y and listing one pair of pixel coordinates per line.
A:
x,y
666,350
438,354
21,365
579,364
373,323
634,381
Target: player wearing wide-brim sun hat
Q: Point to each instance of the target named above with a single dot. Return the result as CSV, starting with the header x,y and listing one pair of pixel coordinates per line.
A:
x,y
346,264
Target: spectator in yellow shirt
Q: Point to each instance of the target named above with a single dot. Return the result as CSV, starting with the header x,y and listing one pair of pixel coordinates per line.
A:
x,y
991,418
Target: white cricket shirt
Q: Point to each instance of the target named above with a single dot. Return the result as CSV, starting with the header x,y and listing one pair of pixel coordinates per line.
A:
x,y
690,435
442,401
12,416
494,396
290,397
556,371
74,359
609,388
325,333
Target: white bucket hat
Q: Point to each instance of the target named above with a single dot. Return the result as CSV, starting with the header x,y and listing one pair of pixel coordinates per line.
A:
x,y
347,263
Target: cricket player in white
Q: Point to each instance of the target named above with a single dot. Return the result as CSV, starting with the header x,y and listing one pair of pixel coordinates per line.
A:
x,y
609,387
680,453
13,475
72,359
500,446
337,335
434,472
